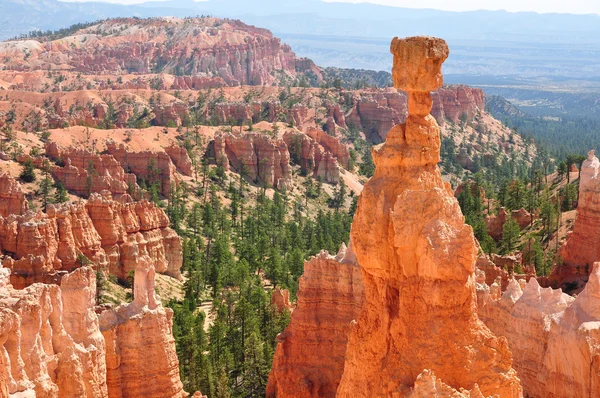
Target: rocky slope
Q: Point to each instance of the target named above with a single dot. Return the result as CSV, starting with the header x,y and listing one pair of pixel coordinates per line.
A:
x,y
330,297
226,50
418,262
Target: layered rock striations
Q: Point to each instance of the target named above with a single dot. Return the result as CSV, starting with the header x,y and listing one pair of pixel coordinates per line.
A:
x,y
553,336
130,230
152,166
582,247
83,171
42,247
12,197
309,358
262,158
313,158
418,260
221,50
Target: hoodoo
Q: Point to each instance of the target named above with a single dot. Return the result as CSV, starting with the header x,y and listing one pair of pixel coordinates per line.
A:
x,y
418,333
582,247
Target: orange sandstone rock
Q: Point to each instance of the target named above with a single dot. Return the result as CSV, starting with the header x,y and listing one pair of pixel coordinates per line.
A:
x,y
582,247
418,260
309,358
553,337
140,349
50,339
260,157
12,197
280,298
83,172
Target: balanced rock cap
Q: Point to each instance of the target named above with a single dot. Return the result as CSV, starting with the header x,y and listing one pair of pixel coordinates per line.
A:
x,y
418,63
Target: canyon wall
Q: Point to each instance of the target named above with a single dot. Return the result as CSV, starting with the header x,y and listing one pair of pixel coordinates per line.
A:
x,y
262,158
309,358
110,234
12,197
418,260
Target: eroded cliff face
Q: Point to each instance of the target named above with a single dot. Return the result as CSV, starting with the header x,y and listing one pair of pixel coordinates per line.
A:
x,y
50,341
554,337
223,50
262,158
110,234
140,349
309,358
418,260
83,171
582,247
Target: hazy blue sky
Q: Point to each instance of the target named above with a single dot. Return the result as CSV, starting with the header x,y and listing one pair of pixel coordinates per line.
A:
x,y
562,6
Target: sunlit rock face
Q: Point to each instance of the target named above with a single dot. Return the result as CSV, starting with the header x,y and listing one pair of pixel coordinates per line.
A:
x,y
309,359
553,336
418,260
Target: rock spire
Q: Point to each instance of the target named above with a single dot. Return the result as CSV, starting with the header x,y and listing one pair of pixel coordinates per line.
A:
x,y
418,261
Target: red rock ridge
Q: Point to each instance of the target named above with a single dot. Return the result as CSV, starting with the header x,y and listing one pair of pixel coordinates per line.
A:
x,y
206,47
330,297
84,172
140,349
140,163
51,339
52,343
107,233
312,157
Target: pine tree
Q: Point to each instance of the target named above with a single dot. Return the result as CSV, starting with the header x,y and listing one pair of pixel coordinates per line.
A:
x,y
28,172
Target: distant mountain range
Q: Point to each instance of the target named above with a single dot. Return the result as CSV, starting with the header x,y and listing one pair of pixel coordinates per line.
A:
x,y
492,49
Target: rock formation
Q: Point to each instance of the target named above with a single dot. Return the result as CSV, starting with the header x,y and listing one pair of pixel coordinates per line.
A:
x,y
553,337
377,111
41,244
12,197
180,158
331,144
228,50
495,223
309,358
140,349
109,234
418,260
84,172
280,298
312,157
153,166
582,247
50,341
129,230
264,159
